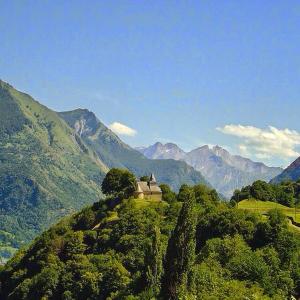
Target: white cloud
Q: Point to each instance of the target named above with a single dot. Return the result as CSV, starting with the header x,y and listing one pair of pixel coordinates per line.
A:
x,y
243,149
265,143
122,129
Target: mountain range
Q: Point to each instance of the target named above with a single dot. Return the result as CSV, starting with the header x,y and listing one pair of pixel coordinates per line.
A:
x,y
225,172
52,164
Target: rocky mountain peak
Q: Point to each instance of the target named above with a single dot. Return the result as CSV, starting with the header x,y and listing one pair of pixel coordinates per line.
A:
x,y
226,172
83,121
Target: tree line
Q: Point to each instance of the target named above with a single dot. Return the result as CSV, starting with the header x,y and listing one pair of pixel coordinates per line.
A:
x,y
286,193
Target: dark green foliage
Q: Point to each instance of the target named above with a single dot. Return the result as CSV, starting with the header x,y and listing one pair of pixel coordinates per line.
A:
x,y
286,193
167,194
119,183
238,255
205,196
250,249
262,190
154,263
180,253
145,178
220,223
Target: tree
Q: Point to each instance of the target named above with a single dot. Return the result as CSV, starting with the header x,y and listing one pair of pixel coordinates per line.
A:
x,y
154,262
205,196
74,245
145,178
119,183
239,195
167,194
262,191
285,195
180,254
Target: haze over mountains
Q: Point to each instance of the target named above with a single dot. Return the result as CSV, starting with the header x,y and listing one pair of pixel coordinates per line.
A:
x,y
224,171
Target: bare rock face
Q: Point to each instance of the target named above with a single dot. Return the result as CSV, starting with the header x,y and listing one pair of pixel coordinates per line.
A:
x,y
167,151
226,172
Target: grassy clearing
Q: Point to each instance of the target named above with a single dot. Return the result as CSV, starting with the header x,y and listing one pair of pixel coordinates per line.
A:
x,y
141,203
263,207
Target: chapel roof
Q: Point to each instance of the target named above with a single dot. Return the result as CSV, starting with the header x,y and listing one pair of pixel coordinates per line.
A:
x,y
145,187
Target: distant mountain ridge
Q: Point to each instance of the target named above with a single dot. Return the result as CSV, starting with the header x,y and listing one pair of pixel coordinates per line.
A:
x,y
226,172
115,153
292,172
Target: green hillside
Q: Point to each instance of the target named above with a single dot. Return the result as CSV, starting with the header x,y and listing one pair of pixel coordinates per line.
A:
x,y
115,153
264,207
188,246
46,171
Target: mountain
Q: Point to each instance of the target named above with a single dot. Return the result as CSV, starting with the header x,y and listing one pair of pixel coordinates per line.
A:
x,y
46,170
160,151
224,171
292,172
52,164
115,153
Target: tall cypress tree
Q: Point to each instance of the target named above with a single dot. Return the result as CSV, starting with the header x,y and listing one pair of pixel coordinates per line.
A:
x,y
154,258
180,253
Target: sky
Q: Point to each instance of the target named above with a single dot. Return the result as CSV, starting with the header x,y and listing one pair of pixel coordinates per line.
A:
x,y
189,72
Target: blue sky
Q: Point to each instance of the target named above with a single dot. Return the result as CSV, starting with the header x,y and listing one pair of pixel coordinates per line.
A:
x,y
190,72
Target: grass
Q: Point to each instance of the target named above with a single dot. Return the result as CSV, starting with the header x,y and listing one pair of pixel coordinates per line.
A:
x,y
263,207
141,203
138,203
112,216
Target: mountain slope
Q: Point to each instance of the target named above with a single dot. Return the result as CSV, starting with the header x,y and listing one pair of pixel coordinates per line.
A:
x,y
46,171
224,171
115,153
292,172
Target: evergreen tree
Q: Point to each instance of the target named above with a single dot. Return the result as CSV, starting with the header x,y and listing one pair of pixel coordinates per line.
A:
x,y
154,265
180,254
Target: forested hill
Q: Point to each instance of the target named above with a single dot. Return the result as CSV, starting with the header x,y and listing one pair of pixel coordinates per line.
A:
x,y
286,193
188,246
